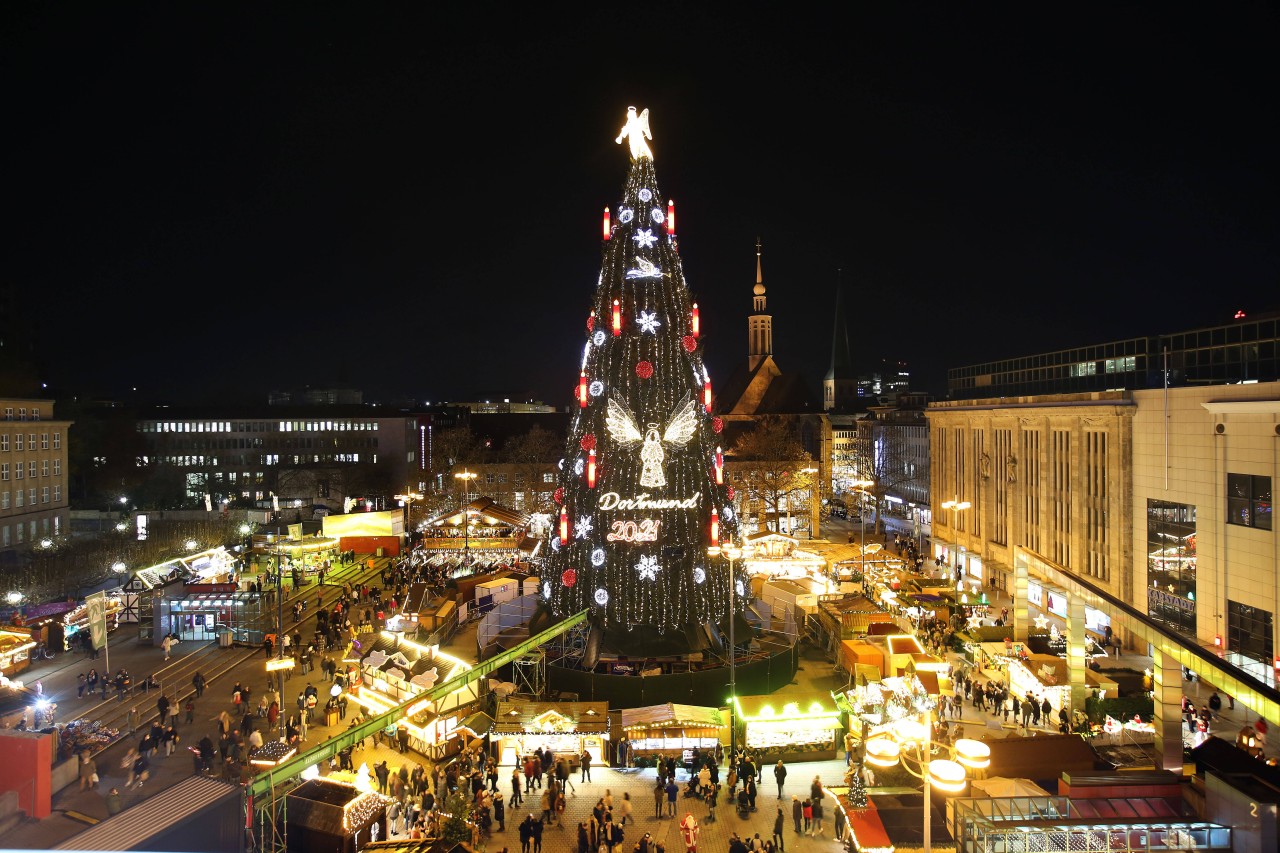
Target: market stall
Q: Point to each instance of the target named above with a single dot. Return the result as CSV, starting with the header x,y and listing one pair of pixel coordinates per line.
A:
x,y
15,651
790,727
76,621
672,730
566,728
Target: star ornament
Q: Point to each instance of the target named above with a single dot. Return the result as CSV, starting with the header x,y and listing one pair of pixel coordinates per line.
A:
x,y
648,568
645,238
974,622
1042,622
648,321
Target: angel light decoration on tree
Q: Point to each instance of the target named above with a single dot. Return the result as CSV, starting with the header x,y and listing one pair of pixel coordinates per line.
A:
x,y
639,467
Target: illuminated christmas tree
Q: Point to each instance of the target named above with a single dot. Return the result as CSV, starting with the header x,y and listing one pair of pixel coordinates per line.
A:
x,y
641,492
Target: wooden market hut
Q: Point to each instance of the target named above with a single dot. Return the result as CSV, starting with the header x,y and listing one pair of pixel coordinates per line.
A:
x,y
672,729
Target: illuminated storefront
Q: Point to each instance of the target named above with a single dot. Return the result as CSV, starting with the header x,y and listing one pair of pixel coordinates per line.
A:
x,y
672,730
15,651
202,616
793,728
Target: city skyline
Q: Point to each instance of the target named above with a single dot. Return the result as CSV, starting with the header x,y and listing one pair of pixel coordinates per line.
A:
x,y
223,205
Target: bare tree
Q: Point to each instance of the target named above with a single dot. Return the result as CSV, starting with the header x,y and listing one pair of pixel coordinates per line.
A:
x,y
531,455
769,469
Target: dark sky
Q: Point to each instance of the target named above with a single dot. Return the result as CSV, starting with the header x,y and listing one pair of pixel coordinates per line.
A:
x,y
218,200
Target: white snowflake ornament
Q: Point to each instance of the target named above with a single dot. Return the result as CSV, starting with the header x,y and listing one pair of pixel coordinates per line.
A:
x,y
582,529
648,567
649,322
644,237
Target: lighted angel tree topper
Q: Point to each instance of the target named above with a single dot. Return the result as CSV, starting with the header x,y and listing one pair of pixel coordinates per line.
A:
x,y
641,494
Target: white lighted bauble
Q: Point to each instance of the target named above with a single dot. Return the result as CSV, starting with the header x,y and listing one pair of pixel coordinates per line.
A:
x,y
596,388
646,195
560,464
699,574
727,515
658,216
597,557
546,589
555,543
602,596
578,466
742,590
625,214
598,339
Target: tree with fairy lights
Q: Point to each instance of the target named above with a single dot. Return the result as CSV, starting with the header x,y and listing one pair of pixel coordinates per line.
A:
x,y
641,491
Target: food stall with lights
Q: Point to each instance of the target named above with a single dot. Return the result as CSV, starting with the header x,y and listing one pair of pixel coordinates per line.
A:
x,y
334,816
673,730
566,728
1047,676
790,727
15,651
76,620
392,669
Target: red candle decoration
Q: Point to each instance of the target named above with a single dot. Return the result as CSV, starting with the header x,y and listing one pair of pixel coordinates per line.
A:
x,y
607,231
564,524
719,467
644,369
558,495
717,425
706,395
671,216
617,318
689,342
582,389
715,527
588,441
568,577
695,324
591,468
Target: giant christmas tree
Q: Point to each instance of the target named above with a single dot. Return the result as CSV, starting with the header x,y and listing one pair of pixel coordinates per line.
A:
x,y
641,493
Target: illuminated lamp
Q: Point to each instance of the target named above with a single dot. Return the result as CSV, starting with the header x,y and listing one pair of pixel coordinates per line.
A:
x,y
695,324
706,396
564,524
276,664
883,751
582,389
617,318
1217,640
719,467
911,731
1277,664
947,775
671,216
591,469
715,525
973,753
606,223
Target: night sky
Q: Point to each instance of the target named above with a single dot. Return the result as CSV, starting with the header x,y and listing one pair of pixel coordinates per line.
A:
x,y
209,203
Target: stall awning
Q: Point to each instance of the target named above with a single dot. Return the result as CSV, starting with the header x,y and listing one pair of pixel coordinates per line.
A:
x,y
516,716
787,707
478,723
672,714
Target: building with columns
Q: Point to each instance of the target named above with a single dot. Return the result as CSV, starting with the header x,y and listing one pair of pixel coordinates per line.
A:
x,y
1147,510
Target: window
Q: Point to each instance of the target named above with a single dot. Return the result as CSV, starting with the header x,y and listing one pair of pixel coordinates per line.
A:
x,y
44,495
35,414
17,442
1249,631
4,443
44,441
44,467
17,471
1249,501
4,536
57,467
31,469
57,494
4,471
4,500
31,441
18,499
57,441
31,497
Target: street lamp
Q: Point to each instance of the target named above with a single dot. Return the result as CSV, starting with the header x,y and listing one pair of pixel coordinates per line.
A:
x,y
407,499
732,553
956,506
466,477
908,743
860,487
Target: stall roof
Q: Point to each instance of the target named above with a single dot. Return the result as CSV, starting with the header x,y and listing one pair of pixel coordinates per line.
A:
x,y
672,713
485,507
787,705
522,716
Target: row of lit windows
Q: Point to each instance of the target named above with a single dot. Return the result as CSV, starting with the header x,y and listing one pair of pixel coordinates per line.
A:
x,y
30,469
28,498
201,461
23,532
275,442
257,426
30,442
22,414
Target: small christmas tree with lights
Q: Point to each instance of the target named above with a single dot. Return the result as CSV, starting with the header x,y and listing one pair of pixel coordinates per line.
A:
x,y
857,790
641,492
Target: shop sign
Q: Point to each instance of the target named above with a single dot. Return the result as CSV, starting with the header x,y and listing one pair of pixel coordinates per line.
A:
x,y
1160,598
212,587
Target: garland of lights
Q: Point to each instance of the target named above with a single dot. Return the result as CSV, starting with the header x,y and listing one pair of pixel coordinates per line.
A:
x,y
645,511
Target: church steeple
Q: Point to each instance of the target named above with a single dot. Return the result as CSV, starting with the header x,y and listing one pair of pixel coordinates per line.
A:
x,y
760,323
840,387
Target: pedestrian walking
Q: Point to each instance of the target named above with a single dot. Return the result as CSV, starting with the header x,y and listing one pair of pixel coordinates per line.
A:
x,y
586,766
779,823
780,775
797,812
